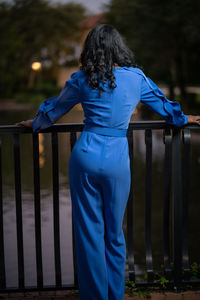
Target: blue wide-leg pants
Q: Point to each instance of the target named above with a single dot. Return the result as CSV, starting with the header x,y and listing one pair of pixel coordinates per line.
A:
x,y
99,173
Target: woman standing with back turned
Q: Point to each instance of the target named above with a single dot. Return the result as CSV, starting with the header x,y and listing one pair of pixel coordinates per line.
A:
x,y
109,86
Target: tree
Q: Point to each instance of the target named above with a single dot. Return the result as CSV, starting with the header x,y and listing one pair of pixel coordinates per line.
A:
x,y
27,27
164,36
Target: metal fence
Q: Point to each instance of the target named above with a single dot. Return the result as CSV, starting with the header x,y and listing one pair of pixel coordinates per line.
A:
x,y
176,163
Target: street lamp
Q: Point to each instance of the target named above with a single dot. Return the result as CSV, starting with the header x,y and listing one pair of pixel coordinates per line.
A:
x,y
36,66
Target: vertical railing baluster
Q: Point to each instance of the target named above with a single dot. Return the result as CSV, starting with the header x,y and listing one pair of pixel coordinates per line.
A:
x,y
73,138
18,198
166,206
38,239
56,218
2,256
148,185
177,206
130,246
186,183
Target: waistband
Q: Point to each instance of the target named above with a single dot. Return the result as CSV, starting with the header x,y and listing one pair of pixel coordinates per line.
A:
x,y
105,130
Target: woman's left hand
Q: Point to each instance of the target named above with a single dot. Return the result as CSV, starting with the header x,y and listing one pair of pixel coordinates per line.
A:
x,y
26,123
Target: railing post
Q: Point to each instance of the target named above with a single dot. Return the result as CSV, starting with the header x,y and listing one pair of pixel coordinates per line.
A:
x,y
38,237
72,143
18,198
56,212
167,137
2,256
130,246
148,185
177,206
186,182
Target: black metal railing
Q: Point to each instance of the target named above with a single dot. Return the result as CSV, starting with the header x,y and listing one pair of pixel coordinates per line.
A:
x,y
176,141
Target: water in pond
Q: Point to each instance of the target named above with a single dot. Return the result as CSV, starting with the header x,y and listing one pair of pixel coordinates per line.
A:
x,y
9,206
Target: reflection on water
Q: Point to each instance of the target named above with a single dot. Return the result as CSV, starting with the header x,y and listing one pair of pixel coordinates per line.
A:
x,y
41,150
45,160
29,237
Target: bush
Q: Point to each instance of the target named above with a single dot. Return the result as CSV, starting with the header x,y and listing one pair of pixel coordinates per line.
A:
x,y
48,88
38,93
29,98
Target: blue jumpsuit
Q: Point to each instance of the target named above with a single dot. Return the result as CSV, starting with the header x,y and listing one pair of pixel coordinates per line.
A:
x,y
99,171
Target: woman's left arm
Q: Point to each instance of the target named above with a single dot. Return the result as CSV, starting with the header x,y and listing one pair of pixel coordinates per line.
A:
x,y
154,98
52,109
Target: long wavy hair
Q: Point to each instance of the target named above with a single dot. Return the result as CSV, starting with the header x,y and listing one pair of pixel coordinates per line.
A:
x,y
104,48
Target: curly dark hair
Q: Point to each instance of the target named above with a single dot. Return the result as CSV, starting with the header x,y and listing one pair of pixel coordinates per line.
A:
x,y
104,48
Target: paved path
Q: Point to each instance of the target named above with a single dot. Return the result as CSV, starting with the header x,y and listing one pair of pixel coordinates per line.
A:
x,y
71,295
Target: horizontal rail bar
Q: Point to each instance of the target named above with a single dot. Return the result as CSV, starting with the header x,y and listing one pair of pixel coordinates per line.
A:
x,y
76,127
194,283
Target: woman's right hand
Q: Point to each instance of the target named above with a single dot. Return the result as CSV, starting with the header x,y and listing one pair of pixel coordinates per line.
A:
x,y
26,123
193,119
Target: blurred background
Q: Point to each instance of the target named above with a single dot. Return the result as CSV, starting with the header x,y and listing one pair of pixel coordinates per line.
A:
x,y
40,44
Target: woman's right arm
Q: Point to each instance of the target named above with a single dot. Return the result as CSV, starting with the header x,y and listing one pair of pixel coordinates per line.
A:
x,y
52,109
193,119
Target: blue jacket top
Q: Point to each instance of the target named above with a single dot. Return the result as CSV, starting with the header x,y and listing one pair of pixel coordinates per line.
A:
x,y
113,108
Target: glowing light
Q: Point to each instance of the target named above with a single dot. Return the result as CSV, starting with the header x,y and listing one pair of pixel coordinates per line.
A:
x,y
36,66
42,158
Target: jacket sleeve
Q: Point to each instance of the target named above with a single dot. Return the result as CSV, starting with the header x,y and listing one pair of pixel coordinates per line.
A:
x,y
51,109
154,98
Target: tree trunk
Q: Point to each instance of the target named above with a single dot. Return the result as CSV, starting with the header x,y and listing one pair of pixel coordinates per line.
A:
x,y
171,82
181,78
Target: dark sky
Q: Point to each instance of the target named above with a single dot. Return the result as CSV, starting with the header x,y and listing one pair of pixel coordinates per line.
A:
x,y
94,6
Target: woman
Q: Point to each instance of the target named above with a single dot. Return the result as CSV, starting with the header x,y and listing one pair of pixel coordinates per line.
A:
x,y
109,86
